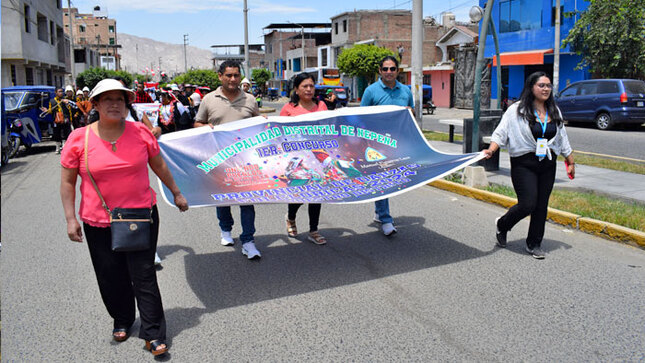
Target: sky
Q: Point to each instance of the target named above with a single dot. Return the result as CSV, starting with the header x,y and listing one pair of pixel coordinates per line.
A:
x,y
210,22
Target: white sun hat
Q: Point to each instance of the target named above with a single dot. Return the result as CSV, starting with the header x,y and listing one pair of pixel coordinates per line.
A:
x,y
109,84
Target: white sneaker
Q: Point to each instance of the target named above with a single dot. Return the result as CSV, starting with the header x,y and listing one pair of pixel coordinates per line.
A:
x,y
227,239
249,250
376,218
157,259
388,229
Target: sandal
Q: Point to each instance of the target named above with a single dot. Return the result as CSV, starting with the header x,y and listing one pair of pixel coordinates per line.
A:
x,y
317,238
155,347
292,231
116,334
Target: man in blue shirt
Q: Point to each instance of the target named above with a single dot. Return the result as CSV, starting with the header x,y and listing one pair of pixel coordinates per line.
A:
x,y
387,91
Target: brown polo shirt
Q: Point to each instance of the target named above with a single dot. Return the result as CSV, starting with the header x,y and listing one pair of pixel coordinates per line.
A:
x,y
218,109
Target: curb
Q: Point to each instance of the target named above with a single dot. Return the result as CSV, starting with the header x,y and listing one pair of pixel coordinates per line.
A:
x,y
603,229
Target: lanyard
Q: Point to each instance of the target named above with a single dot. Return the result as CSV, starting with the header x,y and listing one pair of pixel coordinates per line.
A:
x,y
546,118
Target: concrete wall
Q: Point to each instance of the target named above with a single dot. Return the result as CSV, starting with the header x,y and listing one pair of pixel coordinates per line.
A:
x,y
44,58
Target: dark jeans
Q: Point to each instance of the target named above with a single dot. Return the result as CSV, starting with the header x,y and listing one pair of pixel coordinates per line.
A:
x,y
533,181
126,276
247,215
314,214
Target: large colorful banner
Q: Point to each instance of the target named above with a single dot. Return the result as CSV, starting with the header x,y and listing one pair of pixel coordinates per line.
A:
x,y
350,155
150,109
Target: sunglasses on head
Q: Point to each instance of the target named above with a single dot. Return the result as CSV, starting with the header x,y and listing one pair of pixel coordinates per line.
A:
x,y
391,69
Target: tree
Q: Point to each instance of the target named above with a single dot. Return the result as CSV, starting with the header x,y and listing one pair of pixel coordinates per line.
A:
x,y
92,76
261,76
610,37
200,77
361,60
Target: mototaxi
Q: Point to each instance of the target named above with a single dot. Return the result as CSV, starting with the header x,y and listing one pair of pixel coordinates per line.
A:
x,y
27,124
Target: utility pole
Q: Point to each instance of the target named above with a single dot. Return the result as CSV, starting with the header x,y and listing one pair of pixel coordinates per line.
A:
x,y
185,61
159,69
71,42
136,46
246,41
417,58
556,49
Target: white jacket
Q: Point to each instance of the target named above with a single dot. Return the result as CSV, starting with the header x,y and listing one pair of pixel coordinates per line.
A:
x,y
513,133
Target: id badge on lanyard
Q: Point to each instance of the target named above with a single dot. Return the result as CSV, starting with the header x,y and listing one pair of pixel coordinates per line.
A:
x,y
542,142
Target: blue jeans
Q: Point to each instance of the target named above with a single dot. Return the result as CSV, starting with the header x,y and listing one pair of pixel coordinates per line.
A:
x,y
382,208
247,215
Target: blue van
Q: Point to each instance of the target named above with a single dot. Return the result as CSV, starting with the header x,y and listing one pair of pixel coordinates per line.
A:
x,y
27,124
606,102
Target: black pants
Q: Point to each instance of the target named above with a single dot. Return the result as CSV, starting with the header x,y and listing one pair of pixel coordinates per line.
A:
x,y
61,132
126,276
314,214
533,182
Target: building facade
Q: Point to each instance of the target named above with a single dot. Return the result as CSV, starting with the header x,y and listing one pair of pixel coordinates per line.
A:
x,y
526,32
392,29
34,48
94,34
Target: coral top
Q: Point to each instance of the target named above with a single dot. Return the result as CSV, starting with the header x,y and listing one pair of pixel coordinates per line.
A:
x,y
290,110
121,175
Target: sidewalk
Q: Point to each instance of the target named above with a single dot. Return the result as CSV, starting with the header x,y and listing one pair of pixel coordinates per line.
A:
x,y
616,184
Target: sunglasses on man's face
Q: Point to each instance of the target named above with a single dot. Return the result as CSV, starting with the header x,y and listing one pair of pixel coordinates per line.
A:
x,y
391,69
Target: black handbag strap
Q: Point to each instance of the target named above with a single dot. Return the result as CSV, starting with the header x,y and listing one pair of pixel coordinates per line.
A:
x,y
96,187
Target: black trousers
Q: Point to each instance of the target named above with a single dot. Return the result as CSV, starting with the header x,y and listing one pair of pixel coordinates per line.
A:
x,y
314,214
126,276
533,182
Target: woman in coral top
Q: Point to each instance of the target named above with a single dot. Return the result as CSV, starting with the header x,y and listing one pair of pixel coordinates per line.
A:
x,y
118,155
302,102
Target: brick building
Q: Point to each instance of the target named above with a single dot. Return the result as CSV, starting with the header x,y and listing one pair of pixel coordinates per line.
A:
x,y
391,29
97,32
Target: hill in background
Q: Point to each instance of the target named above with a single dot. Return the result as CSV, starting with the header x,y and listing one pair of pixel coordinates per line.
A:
x,y
149,52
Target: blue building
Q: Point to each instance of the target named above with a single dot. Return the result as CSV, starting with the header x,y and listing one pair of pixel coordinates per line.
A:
x,y
526,33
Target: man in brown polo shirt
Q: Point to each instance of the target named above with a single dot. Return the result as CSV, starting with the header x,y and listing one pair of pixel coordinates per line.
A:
x,y
226,104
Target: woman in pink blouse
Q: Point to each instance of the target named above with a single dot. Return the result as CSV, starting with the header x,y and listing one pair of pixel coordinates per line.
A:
x,y
118,154
303,101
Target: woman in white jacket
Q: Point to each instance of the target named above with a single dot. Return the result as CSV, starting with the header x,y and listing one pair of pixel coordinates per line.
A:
x,y
533,132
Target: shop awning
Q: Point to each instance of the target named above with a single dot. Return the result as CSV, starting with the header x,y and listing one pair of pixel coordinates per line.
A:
x,y
522,58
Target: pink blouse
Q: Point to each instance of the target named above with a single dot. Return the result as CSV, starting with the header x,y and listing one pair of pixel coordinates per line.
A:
x,y
121,175
290,110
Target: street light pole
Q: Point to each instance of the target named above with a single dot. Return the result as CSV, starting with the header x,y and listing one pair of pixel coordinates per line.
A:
x,y
479,66
304,56
71,42
417,59
246,41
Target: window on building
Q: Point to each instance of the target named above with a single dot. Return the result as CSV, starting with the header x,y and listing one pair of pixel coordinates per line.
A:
x,y
79,55
111,41
289,65
49,77
58,6
13,75
52,33
553,12
336,28
323,56
516,15
41,21
81,28
345,26
27,16
270,49
427,79
111,28
29,76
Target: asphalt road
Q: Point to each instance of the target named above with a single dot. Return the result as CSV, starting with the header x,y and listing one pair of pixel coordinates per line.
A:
x,y
436,291
618,142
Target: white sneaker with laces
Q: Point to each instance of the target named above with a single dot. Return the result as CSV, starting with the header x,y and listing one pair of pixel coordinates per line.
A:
x,y
249,250
157,259
388,229
227,239
376,218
